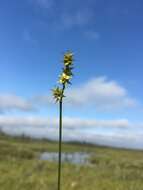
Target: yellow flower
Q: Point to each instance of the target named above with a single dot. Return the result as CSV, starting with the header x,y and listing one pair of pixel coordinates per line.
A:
x,y
67,77
64,78
68,58
57,93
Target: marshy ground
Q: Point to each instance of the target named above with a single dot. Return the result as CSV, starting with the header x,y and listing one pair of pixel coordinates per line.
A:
x,y
110,169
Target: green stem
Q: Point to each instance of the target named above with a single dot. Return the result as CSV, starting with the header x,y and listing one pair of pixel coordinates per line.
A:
x,y
60,139
60,145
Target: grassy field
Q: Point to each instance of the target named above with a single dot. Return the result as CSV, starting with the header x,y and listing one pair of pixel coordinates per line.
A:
x,y
111,169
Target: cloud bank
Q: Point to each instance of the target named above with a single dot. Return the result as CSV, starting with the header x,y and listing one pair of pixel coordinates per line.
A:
x,y
75,129
102,93
69,122
11,102
99,93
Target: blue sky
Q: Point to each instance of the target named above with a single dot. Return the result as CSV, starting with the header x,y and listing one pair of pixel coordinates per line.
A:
x,y
106,38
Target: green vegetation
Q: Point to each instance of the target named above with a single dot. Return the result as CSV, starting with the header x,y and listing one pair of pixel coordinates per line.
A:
x,y
111,169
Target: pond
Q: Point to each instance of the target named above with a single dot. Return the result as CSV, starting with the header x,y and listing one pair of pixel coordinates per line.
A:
x,y
74,158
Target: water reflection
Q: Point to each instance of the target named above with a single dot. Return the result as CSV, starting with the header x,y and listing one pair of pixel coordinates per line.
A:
x,y
74,158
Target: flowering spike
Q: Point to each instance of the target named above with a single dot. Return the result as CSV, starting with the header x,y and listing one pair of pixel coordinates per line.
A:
x,y
65,76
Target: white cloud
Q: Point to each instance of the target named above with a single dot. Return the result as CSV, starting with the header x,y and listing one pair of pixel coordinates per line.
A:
x,y
68,122
99,93
120,132
10,102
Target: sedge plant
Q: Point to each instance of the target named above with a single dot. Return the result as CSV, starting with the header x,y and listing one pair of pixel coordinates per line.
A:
x,y
58,94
